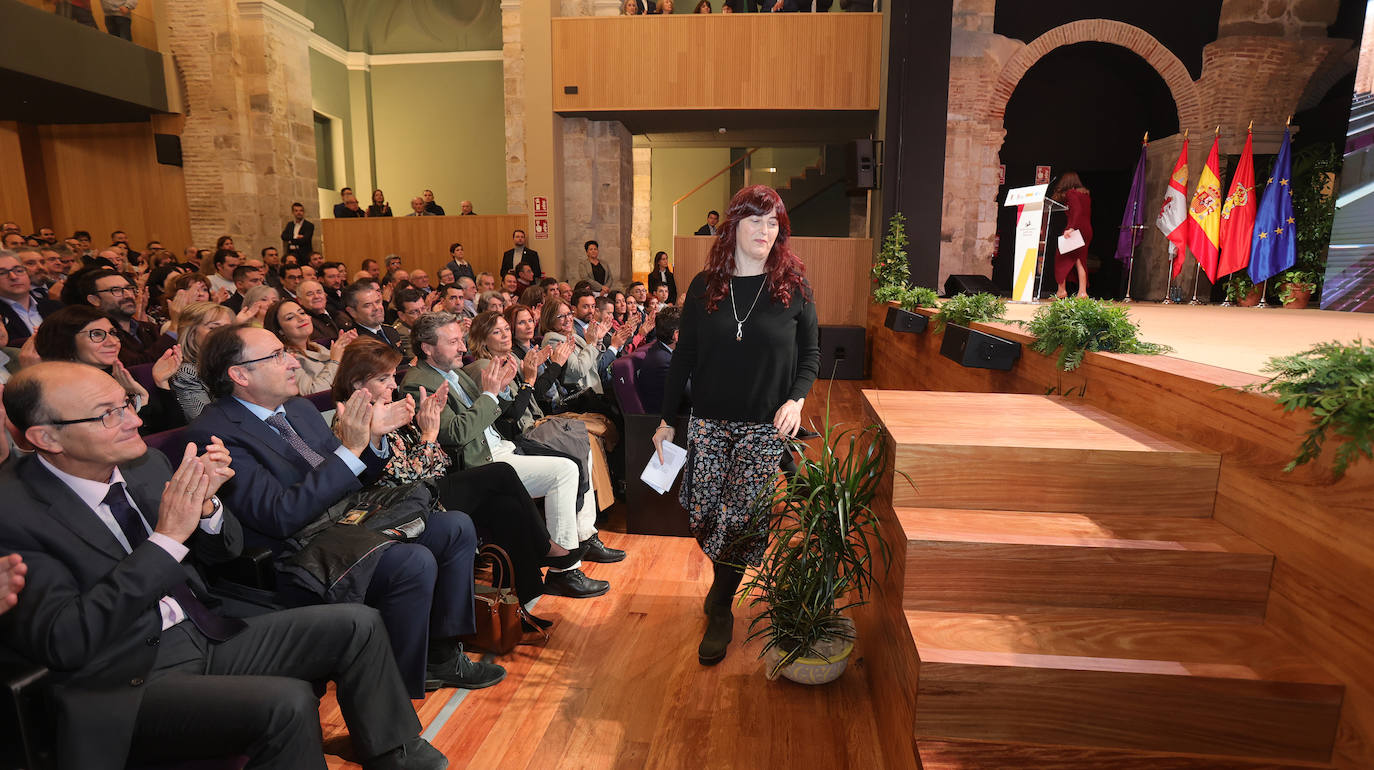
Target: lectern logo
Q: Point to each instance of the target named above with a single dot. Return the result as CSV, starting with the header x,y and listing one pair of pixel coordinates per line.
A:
x,y
1205,201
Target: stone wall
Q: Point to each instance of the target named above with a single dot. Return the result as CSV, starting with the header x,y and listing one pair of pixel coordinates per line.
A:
x,y
513,76
598,191
1270,56
248,143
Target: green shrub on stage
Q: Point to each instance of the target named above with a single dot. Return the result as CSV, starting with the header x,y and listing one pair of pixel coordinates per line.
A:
x,y
964,309
1336,382
1074,326
918,296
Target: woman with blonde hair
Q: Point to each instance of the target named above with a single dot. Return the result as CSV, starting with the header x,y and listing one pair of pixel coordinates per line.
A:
x,y
257,301
1071,192
194,324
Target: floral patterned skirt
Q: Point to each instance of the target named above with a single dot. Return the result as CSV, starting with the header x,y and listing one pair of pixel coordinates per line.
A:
x,y
728,464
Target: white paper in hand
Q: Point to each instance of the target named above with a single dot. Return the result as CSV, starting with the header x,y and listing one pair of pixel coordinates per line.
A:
x,y
1070,242
660,476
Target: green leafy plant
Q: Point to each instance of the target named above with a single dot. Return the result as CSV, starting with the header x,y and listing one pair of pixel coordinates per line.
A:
x,y
1335,381
1314,209
1239,286
824,544
1077,325
890,269
918,296
964,309
1296,280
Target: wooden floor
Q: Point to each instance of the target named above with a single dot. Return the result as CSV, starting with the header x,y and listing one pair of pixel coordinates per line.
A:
x,y
619,685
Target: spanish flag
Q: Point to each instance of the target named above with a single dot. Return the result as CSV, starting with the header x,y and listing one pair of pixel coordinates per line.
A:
x,y
1204,216
1238,215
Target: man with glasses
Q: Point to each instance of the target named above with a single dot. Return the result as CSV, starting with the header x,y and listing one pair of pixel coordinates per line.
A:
x,y
410,305
140,341
291,277
20,309
145,672
290,468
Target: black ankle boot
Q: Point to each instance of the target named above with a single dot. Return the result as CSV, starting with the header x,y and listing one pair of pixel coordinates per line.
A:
x,y
720,629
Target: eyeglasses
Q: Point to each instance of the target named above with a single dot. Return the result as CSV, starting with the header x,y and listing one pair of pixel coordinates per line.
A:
x,y
13,272
111,418
562,316
96,335
116,291
276,357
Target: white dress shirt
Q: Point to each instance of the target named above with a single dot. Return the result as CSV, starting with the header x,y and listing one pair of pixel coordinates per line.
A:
x,y
93,493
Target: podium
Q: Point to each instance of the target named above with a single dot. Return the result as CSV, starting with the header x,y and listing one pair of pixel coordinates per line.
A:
x,y
1033,212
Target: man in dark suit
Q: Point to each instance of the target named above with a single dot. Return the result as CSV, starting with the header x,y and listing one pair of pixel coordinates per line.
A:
x,y
245,278
298,234
431,207
312,300
651,373
364,306
712,219
517,254
332,278
348,207
290,468
21,311
139,341
141,670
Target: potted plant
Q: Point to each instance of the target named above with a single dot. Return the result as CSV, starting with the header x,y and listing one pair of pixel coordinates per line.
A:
x,y
965,309
1076,325
1335,381
890,269
824,545
1241,291
1296,287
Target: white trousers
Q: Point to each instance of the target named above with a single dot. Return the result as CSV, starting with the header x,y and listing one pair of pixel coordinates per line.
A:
x,y
555,480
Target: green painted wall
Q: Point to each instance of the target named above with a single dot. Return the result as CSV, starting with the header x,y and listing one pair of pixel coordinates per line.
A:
x,y
673,171
330,21
329,94
442,127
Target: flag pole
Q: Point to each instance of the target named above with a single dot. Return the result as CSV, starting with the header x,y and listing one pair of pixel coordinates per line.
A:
x,y
1135,237
1197,277
1263,290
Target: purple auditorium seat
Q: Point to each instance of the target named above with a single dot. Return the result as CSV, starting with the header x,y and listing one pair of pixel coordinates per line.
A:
x,y
623,382
143,375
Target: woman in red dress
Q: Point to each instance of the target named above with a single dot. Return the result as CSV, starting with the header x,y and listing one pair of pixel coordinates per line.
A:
x,y
1071,192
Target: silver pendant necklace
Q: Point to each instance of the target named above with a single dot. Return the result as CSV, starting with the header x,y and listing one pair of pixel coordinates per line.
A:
x,y
739,322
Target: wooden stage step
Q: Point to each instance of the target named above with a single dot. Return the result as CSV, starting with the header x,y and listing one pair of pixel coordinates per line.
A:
x,y
1039,453
977,755
1121,680
978,559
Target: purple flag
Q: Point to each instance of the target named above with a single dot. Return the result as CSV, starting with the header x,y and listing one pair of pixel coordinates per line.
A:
x,y
1133,219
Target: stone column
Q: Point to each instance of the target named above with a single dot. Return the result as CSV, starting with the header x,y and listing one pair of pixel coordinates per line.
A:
x,y
248,145
513,75
598,190
641,248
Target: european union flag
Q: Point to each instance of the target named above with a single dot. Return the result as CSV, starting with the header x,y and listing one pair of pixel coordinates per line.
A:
x,y
1274,246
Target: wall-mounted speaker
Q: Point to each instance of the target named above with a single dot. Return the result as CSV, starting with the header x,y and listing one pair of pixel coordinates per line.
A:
x,y
899,320
168,148
861,165
842,352
978,350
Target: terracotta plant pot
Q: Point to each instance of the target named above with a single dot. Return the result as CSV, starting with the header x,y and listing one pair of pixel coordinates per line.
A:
x,y
1299,297
1251,299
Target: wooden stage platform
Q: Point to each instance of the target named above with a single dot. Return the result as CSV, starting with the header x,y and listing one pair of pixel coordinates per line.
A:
x,y
1113,560
1237,338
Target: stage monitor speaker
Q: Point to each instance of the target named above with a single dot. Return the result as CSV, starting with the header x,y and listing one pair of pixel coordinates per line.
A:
x,y
861,165
970,284
168,148
899,320
978,350
842,352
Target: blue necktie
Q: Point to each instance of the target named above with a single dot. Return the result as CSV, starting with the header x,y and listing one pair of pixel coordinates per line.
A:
x,y
215,627
293,438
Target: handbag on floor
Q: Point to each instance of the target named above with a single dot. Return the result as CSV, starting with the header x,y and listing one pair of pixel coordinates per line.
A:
x,y
499,611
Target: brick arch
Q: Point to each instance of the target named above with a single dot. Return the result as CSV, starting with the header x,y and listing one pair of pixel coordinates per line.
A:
x,y
1137,40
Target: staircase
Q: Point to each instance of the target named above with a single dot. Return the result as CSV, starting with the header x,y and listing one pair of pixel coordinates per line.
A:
x,y
815,198
1069,602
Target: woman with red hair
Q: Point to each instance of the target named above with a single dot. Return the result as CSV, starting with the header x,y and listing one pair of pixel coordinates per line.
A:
x,y
747,342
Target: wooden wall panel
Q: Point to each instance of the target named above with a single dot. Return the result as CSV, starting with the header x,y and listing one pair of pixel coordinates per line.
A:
x,y
424,241
838,269
103,177
808,61
14,192
1320,531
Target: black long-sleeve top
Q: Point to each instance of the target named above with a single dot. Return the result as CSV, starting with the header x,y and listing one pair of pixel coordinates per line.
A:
x,y
776,359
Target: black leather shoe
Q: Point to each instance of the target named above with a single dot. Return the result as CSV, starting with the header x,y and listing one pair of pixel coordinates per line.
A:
x,y
574,585
414,754
538,621
720,629
596,551
563,562
462,671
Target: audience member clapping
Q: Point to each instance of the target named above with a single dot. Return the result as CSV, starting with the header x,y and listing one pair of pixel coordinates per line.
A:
x,y
313,300
318,364
195,322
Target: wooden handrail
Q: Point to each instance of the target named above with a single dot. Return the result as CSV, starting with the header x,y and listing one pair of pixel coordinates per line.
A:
x,y
736,162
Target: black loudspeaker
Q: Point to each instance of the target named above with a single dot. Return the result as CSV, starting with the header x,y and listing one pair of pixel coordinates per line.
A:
x,y
842,352
899,320
978,350
970,284
861,165
168,147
